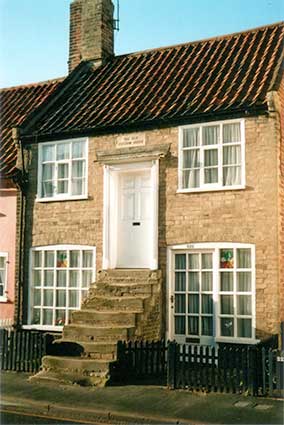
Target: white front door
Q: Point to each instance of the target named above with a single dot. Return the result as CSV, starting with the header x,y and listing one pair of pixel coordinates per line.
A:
x,y
134,219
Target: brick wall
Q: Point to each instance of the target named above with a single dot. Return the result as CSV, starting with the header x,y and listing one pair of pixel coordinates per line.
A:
x,y
244,216
75,35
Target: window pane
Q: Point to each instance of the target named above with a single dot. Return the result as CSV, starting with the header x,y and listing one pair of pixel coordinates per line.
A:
x,y
36,317
75,259
179,303
210,157
48,152
227,327
87,277
47,317
226,258
37,297
193,304
180,281
193,325
244,281
78,149
180,261
60,298
78,187
191,158
207,304
36,277
88,259
207,326
179,325
227,304
206,261
61,278
244,305
48,172
48,297
48,189
210,175
1,288
191,137
243,258
60,318
193,281
2,262
63,151
193,261
207,281
63,171
232,155
74,299
231,176
74,279
49,259
48,278
190,179
37,259
61,259
78,169
227,281
232,133
211,135
244,328
62,186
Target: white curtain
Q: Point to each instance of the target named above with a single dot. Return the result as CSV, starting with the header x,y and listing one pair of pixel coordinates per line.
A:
x,y
210,135
190,137
231,133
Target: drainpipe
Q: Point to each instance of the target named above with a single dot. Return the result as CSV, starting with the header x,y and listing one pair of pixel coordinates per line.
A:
x,y
20,180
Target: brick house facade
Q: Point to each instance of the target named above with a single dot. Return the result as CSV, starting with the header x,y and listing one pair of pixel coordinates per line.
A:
x,y
155,199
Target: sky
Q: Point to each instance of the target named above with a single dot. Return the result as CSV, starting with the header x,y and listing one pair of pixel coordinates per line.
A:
x,y
34,33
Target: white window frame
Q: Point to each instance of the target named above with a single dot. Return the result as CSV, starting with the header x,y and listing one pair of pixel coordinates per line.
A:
x,y
42,249
61,197
4,298
211,186
215,249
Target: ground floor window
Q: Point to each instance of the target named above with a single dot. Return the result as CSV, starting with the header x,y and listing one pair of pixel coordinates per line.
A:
x,y
59,280
3,275
213,292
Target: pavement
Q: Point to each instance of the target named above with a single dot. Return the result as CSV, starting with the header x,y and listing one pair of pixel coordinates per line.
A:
x,y
136,404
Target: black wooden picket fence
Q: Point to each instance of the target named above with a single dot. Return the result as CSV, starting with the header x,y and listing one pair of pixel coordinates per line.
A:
x,y
22,350
252,370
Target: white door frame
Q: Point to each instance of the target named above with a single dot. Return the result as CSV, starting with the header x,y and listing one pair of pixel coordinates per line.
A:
x,y
111,173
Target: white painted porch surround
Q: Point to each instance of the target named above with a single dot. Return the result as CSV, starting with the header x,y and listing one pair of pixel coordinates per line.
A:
x,y
131,160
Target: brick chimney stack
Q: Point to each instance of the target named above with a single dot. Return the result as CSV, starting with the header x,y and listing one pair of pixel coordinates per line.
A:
x,y
91,31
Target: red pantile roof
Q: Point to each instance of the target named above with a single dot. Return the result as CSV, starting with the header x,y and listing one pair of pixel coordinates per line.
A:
x,y
224,75
15,104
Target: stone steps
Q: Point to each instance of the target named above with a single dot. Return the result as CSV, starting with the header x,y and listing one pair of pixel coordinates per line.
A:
x,y
104,350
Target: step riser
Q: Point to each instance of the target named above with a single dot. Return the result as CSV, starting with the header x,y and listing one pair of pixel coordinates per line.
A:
x,y
60,363
122,291
111,319
108,305
93,334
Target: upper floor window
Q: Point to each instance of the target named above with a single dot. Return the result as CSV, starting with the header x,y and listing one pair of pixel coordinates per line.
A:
x,y
62,170
3,275
212,156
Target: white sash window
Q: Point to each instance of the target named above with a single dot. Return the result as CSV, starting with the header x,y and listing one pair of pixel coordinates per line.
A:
x,y
212,156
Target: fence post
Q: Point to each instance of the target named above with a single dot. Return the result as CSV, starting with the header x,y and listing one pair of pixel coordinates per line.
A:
x,y
171,365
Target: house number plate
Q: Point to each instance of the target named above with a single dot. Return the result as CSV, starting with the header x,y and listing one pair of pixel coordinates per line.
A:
x,y
130,141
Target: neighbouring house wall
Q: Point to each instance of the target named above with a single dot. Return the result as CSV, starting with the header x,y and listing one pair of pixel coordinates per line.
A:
x,y
8,202
244,216
281,202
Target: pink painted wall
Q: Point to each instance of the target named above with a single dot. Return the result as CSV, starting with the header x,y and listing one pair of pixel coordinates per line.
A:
x,y
8,202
